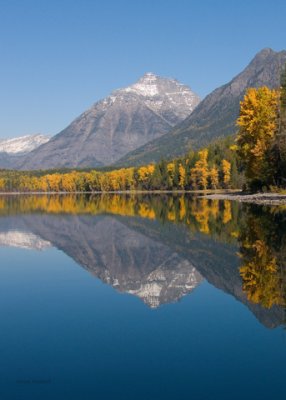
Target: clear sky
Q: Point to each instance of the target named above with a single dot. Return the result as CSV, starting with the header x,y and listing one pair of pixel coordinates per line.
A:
x,y
58,57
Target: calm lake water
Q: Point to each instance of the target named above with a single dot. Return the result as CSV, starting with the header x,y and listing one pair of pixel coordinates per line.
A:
x,y
143,297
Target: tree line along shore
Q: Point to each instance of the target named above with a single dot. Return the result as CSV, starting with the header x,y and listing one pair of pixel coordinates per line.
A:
x,y
206,169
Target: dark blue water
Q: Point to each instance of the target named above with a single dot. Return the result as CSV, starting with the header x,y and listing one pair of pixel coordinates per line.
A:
x,y
66,334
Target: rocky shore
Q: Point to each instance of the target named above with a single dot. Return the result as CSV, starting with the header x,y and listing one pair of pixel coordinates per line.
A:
x,y
255,198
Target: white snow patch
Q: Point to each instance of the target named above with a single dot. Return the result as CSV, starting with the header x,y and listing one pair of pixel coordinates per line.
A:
x,y
23,240
23,144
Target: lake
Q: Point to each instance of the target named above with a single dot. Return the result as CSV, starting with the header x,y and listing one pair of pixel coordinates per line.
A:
x,y
141,297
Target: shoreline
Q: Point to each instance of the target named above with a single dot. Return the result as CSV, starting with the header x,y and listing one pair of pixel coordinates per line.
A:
x,y
255,198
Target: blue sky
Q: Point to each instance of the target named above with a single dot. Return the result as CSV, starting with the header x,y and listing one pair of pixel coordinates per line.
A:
x,y
59,57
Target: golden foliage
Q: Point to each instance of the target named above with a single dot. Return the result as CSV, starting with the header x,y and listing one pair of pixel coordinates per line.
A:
x,y
182,176
199,174
213,176
257,127
226,169
261,280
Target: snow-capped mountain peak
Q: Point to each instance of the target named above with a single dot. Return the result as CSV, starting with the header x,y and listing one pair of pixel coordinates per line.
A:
x,y
151,85
23,144
168,97
145,86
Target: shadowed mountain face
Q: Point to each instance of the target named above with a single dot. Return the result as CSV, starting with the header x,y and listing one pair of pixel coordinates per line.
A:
x,y
159,263
216,115
120,123
9,161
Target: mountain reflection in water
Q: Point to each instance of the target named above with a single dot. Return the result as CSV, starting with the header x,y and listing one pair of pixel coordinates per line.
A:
x,y
161,247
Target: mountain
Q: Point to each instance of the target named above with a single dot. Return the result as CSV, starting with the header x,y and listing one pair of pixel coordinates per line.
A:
x,y
116,125
23,144
12,150
215,116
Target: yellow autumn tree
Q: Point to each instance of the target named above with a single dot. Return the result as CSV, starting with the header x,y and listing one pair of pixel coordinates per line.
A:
x,y
199,174
54,182
182,176
257,124
171,172
213,178
2,184
226,169
144,174
69,182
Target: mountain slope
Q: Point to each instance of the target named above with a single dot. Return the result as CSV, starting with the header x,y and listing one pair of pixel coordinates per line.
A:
x,y
112,127
215,116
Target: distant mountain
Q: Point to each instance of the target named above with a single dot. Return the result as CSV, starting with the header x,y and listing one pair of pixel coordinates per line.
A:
x,y
118,124
215,116
12,150
23,144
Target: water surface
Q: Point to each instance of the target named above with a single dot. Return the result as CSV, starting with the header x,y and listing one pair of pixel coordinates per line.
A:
x,y
141,297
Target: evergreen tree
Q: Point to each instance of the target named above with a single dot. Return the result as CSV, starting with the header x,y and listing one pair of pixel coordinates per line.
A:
x,y
156,178
165,181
